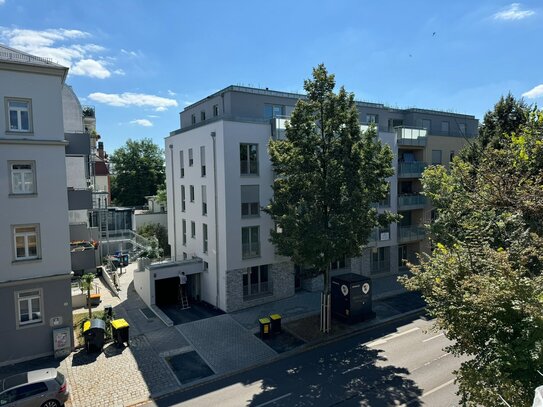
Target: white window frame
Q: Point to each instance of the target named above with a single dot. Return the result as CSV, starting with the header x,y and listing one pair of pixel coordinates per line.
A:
x,y
9,109
246,171
251,252
20,297
26,235
31,171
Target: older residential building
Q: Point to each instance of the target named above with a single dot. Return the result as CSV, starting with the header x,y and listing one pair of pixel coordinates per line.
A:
x,y
35,295
219,175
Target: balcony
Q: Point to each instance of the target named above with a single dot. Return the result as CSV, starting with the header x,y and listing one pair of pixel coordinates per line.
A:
x,y
279,125
385,203
250,250
411,136
366,126
78,143
411,201
411,233
413,169
79,199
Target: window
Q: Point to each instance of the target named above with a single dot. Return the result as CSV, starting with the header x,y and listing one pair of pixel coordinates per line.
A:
x,y
193,119
26,242
436,157
445,128
256,281
191,192
250,242
204,235
22,177
19,114
380,260
394,123
273,110
248,157
193,229
183,206
203,160
451,156
402,255
250,201
206,266
204,200
184,222
185,256
182,163
29,307
462,128
202,115
191,158
426,124
338,264
372,118
215,110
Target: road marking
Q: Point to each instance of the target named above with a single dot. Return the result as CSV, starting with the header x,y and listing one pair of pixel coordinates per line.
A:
x,y
430,362
357,367
429,392
274,400
384,340
433,337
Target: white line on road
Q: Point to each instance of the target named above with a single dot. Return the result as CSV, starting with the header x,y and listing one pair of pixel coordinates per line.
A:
x,y
428,393
357,367
274,400
384,340
433,337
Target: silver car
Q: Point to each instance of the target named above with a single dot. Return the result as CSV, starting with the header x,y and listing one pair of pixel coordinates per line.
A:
x,y
38,388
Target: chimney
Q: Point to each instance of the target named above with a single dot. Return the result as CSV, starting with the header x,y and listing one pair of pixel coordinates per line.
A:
x,y
101,149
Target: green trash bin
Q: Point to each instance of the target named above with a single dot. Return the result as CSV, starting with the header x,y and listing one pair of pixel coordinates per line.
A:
x,y
265,327
275,323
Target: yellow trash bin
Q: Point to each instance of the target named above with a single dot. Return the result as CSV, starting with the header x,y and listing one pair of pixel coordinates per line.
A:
x,y
265,327
119,331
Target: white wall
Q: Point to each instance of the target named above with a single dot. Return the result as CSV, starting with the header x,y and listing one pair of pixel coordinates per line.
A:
x,y
73,115
76,172
145,218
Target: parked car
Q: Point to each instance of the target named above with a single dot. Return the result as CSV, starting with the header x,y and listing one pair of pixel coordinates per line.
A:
x,y
38,388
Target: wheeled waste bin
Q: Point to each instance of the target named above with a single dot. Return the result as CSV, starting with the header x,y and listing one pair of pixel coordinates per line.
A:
x,y
119,331
275,323
265,327
94,332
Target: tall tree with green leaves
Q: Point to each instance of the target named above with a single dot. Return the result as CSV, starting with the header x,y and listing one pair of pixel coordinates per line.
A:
x,y
483,282
138,171
327,175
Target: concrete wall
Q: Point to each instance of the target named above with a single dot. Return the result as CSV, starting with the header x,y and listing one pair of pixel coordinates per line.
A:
x,y
71,108
146,218
76,171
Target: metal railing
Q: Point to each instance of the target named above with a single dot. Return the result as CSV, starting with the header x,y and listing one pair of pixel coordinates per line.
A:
x,y
24,57
411,233
411,200
411,169
411,136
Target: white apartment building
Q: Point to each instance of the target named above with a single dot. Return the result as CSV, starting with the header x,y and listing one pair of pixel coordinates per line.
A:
x,y
219,176
35,295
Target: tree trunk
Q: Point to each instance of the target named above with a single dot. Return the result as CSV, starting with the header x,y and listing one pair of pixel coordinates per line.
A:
x,y
89,303
326,320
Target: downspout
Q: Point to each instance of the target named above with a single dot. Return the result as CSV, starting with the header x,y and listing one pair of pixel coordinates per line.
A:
x,y
217,297
172,183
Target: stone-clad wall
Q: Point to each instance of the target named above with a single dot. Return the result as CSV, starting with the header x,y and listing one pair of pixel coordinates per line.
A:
x,y
281,275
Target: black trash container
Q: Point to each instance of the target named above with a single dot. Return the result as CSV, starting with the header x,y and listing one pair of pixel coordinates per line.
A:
x,y
94,332
265,327
275,323
119,331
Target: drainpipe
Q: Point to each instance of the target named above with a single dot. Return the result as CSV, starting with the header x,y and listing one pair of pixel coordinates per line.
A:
x,y
173,205
217,297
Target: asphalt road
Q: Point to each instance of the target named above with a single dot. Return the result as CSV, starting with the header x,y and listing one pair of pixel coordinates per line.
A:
x,y
398,365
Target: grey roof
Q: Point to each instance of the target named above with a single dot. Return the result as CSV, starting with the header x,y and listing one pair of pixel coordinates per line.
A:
x,y
19,57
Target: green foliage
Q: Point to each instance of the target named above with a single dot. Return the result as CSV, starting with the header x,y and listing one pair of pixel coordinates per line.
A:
x,y
154,251
327,175
161,196
138,171
87,285
483,282
159,232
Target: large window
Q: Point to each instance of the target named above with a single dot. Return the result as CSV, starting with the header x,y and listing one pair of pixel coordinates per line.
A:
x,y
273,110
29,307
204,200
436,157
426,124
256,281
26,242
203,160
445,128
250,242
248,157
19,115
462,128
204,236
338,264
250,201
23,178
182,163
380,260
184,223
183,198
372,118
191,158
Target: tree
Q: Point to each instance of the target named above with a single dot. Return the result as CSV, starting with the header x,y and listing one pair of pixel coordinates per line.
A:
x,y
159,232
161,196
328,174
483,282
138,171
87,285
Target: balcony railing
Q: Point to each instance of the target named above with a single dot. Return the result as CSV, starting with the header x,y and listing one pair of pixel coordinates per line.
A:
x,y
412,169
411,233
385,203
250,250
411,136
411,200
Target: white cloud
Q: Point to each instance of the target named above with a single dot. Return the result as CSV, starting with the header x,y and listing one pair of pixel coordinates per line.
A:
x,y
130,53
90,67
2,2
153,116
133,99
534,93
119,72
171,93
142,122
513,12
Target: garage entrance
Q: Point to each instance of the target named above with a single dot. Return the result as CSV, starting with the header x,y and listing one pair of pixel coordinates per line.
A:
x,y
166,291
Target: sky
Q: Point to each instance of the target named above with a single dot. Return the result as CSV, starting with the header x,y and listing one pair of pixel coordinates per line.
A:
x,y
139,63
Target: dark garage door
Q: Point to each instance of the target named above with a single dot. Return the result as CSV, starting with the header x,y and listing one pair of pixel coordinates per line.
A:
x,y
166,291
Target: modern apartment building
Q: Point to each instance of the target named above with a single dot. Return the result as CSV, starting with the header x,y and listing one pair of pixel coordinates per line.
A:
x,y
219,175
35,295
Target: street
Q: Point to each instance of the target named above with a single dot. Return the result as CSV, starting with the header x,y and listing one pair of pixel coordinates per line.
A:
x,y
399,365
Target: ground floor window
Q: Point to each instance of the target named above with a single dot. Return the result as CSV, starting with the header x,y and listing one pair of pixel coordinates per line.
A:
x,y
29,307
380,260
256,281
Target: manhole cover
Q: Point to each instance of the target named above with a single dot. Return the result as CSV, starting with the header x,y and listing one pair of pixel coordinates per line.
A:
x,y
148,313
189,367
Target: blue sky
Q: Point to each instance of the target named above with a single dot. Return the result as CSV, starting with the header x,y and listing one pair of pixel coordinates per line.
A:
x,y
141,62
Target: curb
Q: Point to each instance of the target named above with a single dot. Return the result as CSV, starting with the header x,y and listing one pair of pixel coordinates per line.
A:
x,y
304,348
